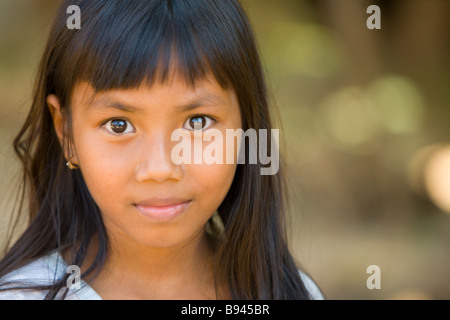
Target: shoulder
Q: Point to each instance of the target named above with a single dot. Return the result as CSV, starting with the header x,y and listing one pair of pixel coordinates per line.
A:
x,y
311,286
34,273
40,272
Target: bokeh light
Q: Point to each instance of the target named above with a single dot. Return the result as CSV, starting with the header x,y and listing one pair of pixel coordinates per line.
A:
x,y
437,177
416,168
348,118
399,104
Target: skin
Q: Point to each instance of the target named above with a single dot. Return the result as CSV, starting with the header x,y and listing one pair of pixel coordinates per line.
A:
x,y
151,259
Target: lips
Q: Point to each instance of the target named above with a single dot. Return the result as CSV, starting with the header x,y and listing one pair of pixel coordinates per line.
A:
x,y
161,202
162,208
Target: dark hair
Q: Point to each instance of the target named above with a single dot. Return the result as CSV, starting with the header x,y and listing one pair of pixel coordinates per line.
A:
x,y
121,44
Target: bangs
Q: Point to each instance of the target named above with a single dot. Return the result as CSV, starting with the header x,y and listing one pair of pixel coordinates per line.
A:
x,y
125,43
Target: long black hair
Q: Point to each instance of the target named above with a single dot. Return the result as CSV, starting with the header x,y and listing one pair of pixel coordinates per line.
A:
x,y
121,44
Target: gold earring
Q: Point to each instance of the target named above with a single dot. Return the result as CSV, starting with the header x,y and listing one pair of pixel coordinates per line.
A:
x,y
71,165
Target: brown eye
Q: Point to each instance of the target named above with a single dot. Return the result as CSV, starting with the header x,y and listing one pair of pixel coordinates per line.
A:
x,y
119,126
201,121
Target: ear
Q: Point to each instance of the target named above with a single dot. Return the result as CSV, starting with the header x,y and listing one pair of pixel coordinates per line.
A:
x,y
58,122
54,107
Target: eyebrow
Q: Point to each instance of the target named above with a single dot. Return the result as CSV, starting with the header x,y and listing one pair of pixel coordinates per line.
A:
x,y
203,100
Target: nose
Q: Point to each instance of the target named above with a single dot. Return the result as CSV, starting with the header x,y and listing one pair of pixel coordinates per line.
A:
x,y
155,162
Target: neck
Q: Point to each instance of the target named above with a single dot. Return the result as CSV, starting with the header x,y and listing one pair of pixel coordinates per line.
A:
x,y
134,270
159,262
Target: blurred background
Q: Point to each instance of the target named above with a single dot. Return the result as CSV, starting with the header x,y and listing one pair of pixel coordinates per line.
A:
x,y
364,115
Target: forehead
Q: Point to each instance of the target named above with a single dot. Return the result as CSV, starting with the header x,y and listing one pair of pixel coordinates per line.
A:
x,y
174,91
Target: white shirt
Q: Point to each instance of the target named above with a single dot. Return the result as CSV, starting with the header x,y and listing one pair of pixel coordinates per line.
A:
x,y
42,272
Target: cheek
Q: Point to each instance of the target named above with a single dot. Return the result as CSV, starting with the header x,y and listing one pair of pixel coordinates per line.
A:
x,y
212,182
215,173
214,176
104,169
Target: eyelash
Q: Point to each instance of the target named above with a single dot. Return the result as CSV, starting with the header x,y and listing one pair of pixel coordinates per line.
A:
x,y
104,124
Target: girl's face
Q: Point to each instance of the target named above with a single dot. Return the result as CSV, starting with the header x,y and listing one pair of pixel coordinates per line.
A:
x,y
122,143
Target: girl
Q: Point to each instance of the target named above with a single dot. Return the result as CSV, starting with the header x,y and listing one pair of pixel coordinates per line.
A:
x,y
104,194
